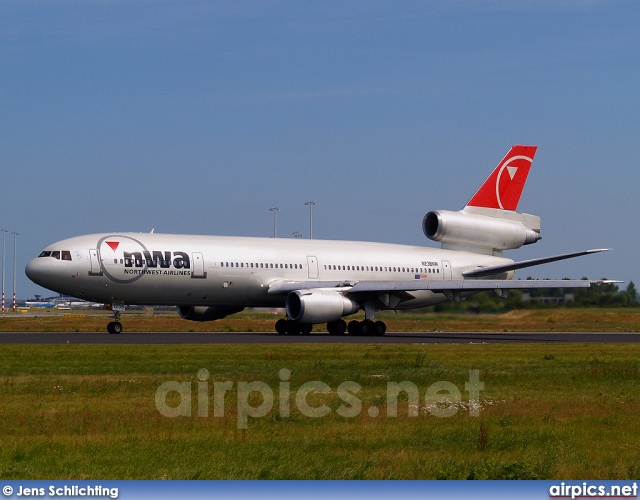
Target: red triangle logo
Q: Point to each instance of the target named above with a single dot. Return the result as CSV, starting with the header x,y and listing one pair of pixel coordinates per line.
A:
x,y
113,244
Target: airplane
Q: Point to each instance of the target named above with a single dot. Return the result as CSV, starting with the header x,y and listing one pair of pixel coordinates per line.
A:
x,y
316,281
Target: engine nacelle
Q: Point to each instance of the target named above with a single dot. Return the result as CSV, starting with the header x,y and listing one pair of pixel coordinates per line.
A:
x,y
479,231
319,306
206,313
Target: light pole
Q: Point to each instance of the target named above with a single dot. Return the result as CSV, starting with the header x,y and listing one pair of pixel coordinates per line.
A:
x,y
311,204
3,232
15,235
275,211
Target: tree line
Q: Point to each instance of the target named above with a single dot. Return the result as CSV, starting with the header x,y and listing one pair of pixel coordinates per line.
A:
x,y
599,295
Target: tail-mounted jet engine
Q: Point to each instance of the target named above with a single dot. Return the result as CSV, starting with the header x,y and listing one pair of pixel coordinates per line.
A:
x,y
481,230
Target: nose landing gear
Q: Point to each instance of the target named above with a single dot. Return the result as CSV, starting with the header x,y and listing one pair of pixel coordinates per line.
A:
x,y
115,326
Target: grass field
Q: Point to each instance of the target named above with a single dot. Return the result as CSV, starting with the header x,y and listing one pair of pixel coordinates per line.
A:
x,y
541,320
547,411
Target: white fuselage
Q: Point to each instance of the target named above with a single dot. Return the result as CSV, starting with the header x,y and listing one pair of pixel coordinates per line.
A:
x,y
163,269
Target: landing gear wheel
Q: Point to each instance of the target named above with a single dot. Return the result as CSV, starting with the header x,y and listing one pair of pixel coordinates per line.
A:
x,y
366,327
281,326
379,328
354,327
293,327
337,327
305,328
114,327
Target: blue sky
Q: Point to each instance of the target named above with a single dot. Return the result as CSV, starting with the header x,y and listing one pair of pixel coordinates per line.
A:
x,y
197,116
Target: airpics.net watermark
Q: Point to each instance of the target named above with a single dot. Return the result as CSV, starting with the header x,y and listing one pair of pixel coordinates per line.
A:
x,y
256,399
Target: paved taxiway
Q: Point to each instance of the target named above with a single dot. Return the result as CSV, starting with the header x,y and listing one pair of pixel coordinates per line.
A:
x,y
274,338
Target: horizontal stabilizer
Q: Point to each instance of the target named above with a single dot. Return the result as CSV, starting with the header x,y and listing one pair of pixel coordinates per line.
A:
x,y
490,271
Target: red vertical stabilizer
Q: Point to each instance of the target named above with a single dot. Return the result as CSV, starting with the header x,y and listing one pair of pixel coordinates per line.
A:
x,y
503,187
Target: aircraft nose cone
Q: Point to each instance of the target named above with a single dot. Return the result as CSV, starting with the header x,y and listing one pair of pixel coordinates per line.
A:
x,y
35,271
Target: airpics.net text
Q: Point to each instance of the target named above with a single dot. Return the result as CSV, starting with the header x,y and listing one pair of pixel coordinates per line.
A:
x,y
256,399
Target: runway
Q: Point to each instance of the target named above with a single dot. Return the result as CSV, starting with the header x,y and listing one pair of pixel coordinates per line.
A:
x,y
274,338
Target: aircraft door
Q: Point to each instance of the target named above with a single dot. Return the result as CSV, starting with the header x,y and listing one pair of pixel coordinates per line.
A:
x,y
94,257
446,270
312,264
198,266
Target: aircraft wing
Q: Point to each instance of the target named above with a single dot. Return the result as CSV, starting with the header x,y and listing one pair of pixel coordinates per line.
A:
x,y
466,285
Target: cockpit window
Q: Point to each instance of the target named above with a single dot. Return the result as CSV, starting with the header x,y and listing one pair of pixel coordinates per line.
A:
x,y
56,254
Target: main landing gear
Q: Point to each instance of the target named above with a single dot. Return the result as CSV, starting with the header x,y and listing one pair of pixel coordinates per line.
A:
x,y
338,327
366,327
289,327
